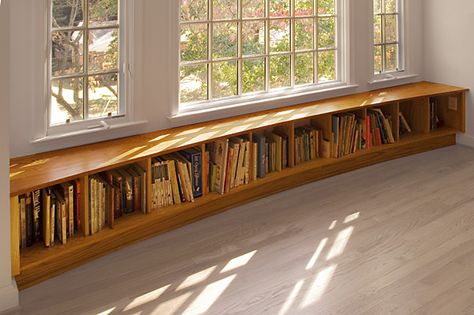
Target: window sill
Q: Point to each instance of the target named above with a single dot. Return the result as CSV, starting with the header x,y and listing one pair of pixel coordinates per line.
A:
x,y
391,78
86,132
278,99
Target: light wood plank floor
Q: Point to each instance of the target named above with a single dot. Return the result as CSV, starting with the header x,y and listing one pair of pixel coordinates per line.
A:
x,y
395,238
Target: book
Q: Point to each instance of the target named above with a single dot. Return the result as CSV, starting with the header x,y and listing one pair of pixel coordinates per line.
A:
x,y
36,199
47,217
218,155
23,237
260,142
194,157
404,126
29,220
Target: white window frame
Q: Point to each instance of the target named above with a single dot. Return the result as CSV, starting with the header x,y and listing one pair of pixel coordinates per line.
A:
x,y
44,130
401,71
287,94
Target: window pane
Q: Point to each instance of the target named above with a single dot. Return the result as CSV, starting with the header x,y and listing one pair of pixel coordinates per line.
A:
x,y
280,35
377,6
326,7
103,96
304,7
304,33
377,29
390,6
67,100
224,9
253,38
391,58
327,32
193,42
253,8
224,79
304,68
224,40
378,59
67,53
326,66
103,12
390,29
103,50
253,75
193,10
280,71
279,7
193,83
67,13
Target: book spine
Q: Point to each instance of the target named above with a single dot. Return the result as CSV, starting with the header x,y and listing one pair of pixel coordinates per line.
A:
x,y
46,218
196,160
261,157
23,222
29,221
37,215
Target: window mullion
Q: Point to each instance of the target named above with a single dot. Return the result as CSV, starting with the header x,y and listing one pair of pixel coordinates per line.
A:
x,y
239,48
292,26
210,28
267,45
85,84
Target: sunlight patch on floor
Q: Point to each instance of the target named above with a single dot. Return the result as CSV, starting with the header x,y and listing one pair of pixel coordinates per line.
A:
x,y
318,287
340,243
352,217
146,298
317,253
291,298
196,278
209,296
238,262
172,306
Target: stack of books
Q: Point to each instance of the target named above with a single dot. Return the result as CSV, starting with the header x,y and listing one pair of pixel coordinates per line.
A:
x,y
178,177
349,134
380,127
307,144
271,152
115,193
229,164
49,215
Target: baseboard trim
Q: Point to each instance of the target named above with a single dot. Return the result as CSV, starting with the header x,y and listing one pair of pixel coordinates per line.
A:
x,y
466,140
8,297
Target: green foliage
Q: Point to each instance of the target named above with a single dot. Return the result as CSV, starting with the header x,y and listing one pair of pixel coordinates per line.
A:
x,y
225,44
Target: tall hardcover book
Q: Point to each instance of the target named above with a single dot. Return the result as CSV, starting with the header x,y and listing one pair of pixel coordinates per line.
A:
x,y
47,217
261,155
29,221
194,156
36,197
23,236
219,158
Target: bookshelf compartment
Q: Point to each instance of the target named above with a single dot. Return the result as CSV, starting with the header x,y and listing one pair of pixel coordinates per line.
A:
x,y
416,113
348,132
446,111
312,139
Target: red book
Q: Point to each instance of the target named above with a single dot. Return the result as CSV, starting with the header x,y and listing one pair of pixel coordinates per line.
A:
x,y
368,137
378,136
77,204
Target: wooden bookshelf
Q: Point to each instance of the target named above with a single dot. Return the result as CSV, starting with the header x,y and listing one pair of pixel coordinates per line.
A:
x,y
36,264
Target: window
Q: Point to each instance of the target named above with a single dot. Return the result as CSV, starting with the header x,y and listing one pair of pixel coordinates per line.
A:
x,y
387,48
230,48
84,63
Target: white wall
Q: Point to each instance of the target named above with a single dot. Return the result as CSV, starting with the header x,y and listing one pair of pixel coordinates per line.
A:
x,y
449,48
8,291
155,71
